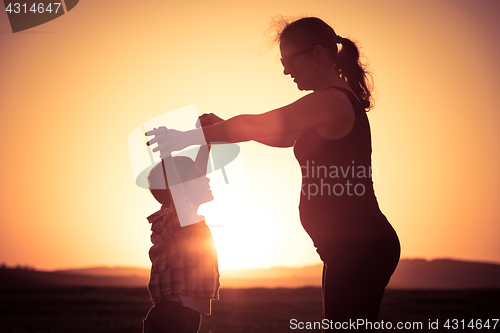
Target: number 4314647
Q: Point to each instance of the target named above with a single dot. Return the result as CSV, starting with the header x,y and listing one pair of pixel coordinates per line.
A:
x,y
36,8
478,324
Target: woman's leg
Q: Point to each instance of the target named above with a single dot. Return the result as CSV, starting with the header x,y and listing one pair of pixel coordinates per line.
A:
x,y
354,280
171,317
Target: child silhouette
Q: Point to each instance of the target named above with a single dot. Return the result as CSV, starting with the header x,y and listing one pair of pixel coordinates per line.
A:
x,y
184,272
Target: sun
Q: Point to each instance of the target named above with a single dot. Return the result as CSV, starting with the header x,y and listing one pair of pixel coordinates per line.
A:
x,y
243,238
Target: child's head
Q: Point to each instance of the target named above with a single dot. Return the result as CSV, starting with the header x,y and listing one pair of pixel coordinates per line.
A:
x,y
195,184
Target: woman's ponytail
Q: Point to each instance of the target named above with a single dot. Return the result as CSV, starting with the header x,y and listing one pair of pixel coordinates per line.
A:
x,y
352,70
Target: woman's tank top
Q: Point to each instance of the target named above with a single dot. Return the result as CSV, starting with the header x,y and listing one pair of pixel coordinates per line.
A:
x,y
337,200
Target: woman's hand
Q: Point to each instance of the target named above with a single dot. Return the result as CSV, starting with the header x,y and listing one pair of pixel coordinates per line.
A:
x,y
161,137
167,140
170,140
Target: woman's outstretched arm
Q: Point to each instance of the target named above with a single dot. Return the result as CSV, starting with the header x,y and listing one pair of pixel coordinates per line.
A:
x,y
208,119
328,106
311,110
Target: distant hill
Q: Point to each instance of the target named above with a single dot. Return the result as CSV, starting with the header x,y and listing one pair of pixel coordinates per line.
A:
x,y
21,278
108,271
445,274
410,274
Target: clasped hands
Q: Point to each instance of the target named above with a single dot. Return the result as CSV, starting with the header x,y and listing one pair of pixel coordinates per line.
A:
x,y
170,140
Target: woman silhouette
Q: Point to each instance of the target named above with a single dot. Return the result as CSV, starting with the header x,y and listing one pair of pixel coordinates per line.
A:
x,y
330,133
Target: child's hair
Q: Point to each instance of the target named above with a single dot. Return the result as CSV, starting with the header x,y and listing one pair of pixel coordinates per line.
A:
x,y
156,178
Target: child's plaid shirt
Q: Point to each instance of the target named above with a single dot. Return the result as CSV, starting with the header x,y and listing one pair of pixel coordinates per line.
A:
x,y
184,259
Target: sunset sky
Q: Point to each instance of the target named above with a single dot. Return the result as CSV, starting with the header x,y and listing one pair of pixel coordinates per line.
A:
x,y
73,89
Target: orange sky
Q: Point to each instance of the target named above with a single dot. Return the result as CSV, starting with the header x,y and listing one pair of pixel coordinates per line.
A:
x,y
73,89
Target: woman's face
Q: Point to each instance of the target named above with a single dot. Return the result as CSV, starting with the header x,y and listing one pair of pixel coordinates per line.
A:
x,y
298,63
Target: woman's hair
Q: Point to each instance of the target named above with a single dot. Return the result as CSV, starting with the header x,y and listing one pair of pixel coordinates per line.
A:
x,y
157,178
311,31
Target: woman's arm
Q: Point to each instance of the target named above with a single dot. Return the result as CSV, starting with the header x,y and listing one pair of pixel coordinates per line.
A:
x,y
327,106
208,119
308,111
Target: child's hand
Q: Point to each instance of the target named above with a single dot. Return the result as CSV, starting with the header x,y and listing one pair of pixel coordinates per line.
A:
x,y
208,119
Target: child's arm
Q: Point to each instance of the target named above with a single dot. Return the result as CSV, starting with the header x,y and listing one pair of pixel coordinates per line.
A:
x,y
202,158
201,161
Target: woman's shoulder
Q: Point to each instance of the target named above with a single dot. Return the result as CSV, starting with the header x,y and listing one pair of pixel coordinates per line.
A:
x,y
338,102
334,97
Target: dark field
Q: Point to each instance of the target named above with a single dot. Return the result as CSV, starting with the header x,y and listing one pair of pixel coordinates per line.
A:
x,y
94,309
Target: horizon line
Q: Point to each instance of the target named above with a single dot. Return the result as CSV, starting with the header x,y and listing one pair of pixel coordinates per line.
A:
x,y
29,267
